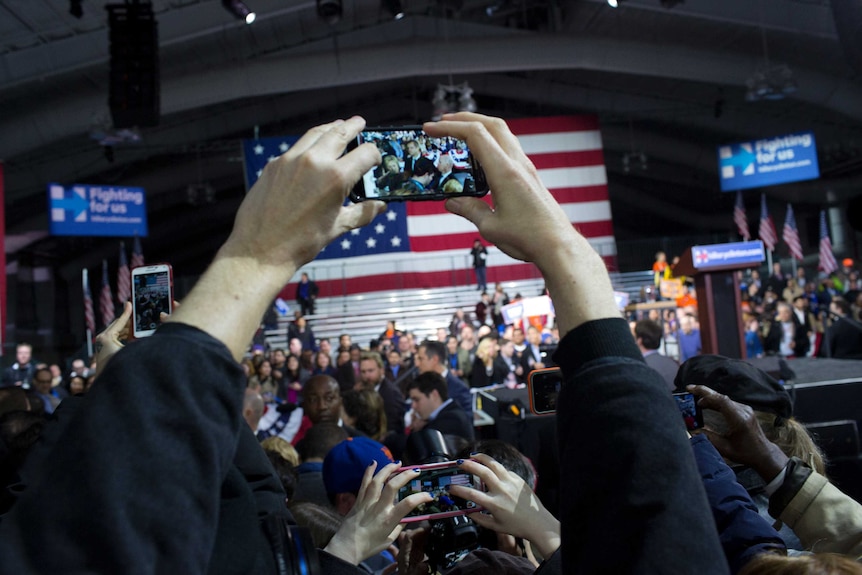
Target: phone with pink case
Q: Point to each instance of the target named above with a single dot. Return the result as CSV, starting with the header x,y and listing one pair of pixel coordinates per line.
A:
x,y
436,478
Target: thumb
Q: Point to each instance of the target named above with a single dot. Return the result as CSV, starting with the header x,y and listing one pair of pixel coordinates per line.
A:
x,y
472,209
358,215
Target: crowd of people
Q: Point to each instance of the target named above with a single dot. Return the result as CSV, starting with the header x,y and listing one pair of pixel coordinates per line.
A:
x,y
193,451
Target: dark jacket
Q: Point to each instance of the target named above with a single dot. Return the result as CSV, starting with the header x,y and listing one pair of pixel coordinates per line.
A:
x,y
452,420
633,500
393,405
843,340
459,391
144,475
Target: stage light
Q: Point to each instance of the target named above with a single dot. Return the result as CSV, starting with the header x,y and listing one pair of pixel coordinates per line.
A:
x,y
239,10
329,10
394,7
75,8
613,3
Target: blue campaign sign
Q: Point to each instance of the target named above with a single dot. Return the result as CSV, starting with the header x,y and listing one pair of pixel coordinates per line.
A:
x,y
768,162
84,210
722,255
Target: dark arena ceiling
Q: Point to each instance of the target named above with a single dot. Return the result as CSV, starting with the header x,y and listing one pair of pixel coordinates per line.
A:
x,y
665,77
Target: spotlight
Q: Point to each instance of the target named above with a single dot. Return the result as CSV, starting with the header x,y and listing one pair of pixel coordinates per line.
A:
x,y
614,3
75,8
329,11
239,10
394,7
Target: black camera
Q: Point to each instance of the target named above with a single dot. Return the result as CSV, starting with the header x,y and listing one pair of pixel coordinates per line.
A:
x,y
450,538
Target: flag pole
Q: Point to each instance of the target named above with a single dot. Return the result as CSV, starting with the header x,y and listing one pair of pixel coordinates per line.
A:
x,y
89,333
768,262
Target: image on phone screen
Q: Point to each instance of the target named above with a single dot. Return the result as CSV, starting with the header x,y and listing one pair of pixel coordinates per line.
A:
x,y
436,482
416,166
151,295
691,412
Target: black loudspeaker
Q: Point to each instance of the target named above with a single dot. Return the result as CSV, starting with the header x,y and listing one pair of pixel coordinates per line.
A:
x,y
134,68
854,213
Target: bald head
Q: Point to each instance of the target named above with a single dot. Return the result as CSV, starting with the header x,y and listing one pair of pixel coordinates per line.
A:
x,y
322,399
252,408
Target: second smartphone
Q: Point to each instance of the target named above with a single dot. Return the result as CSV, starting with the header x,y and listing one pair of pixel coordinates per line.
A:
x,y
152,294
416,166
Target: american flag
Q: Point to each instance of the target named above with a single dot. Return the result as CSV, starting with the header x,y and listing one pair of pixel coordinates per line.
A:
x,y
421,245
89,314
828,264
106,300
124,281
739,217
766,231
137,253
790,234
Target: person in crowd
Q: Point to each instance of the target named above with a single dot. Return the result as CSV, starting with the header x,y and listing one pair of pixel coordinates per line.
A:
x,y
660,268
777,280
300,330
801,280
458,322
452,356
753,341
306,294
687,299
792,291
467,351
312,450
364,412
431,357
278,361
43,386
533,357
389,176
263,382
487,370
373,377
807,322
648,337
433,409
419,181
76,384
688,338
252,408
393,365
480,263
390,330
414,158
483,309
321,521
21,372
509,364
348,372
323,364
294,378
498,300
786,336
843,339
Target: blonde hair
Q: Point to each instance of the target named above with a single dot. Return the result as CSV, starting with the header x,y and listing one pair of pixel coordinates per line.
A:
x,y
283,448
452,186
793,439
484,349
815,564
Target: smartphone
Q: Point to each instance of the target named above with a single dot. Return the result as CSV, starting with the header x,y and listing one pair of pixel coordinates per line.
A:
x,y
690,410
416,166
544,385
152,293
435,478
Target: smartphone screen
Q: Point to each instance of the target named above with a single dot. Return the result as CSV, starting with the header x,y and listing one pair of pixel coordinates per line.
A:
x,y
690,410
151,295
416,166
436,480
544,385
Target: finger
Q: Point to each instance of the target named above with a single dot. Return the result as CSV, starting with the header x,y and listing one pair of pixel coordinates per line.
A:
x,y
721,444
400,479
310,137
358,215
709,398
367,478
497,127
333,141
472,209
481,142
480,498
491,464
485,520
408,504
490,476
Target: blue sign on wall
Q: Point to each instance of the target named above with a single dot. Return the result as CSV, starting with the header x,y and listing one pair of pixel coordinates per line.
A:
x,y
768,162
720,255
84,210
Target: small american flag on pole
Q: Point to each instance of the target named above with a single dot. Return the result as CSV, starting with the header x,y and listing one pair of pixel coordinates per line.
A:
x,y
124,282
828,264
790,234
137,253
89,313
766,231
739,217
106,300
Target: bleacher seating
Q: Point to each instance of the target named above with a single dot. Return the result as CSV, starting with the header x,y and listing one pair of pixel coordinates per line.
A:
x,y
420,311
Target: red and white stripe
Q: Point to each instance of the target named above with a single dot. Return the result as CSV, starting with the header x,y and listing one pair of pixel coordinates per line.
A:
x,y
106,299
89,312
739,217
567,152
790,234
828,263
766,230
124,280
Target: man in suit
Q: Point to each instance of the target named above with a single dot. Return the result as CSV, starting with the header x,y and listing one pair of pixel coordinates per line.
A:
x,y
843,339
532,356
348,373
431,357
372,377
444,172
648,337
433,409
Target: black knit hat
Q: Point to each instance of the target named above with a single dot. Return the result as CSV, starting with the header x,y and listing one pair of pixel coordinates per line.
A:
x,y
740,381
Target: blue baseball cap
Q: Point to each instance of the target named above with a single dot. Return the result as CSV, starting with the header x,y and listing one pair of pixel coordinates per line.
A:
x,y
345,464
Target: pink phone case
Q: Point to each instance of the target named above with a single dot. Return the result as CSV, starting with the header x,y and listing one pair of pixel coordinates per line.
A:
x,y
442,515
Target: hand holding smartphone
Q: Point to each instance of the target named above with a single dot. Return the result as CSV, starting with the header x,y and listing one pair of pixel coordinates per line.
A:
x,y
690,410
152,294
435,478
416,166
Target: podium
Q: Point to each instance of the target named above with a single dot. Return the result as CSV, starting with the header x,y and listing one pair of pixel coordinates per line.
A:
x,y
719,304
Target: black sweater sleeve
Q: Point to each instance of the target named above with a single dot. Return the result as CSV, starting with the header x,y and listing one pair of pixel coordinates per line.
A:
x,y
631,499
128,479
